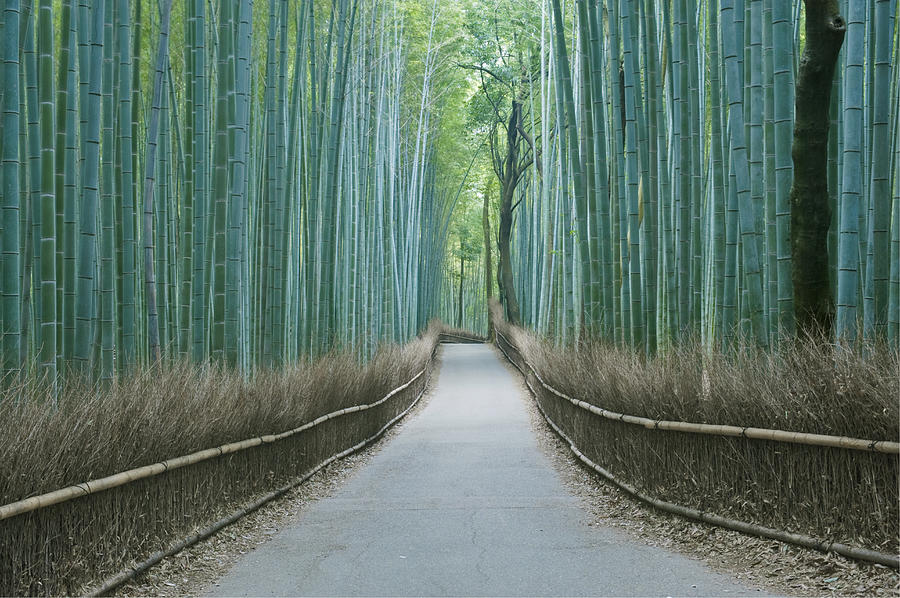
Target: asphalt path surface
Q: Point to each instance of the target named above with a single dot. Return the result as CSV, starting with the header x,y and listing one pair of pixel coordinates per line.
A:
x,y
461,503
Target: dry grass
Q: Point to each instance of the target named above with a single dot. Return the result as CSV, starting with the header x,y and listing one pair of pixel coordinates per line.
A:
x,y
837,494
160,414
803,386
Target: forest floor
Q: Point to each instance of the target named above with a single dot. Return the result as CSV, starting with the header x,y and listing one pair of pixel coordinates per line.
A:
x,y
762,566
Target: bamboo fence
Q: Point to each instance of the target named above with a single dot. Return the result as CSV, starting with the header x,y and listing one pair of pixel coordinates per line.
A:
x,y
126,477
807,541
466,339
130,573
59,541
878,446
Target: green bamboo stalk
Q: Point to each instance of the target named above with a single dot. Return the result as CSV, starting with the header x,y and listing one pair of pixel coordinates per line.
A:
x,y
893,331
770,218
163,257
223,155
719,198
87,241
879,149
32,308
234,339
695,88
200,208
682,163
127,188
651,189
186,216
70,193
756,148
631,76
150,181
108,303
846,323
59,170
751,264
10,163
47,353
783,73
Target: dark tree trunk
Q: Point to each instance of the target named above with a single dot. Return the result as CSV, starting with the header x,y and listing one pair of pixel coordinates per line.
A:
x,y
810,213
508,182
462,277
488,263
509,291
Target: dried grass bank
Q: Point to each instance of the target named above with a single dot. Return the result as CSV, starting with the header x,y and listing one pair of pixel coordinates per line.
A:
x,y
836,494
157,415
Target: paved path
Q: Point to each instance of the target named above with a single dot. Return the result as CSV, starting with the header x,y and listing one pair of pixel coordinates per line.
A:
x,y
462,502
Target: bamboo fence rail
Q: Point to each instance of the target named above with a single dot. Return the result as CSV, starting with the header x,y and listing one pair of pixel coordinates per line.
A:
x,y
85,535
130,573
468,339
864,554
878,446
94,486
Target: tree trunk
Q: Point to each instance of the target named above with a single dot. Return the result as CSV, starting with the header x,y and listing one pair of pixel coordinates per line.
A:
x,y
810,213
508,185
512,303
488,264
462,277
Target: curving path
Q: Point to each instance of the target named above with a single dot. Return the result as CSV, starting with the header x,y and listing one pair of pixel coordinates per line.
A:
x,y
463,502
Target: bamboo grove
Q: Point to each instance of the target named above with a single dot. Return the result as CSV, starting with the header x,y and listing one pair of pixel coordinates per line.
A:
x,y
254,182
246,182
658,208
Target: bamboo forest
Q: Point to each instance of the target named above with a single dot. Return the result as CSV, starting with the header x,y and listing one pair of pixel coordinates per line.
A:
x,y
271,212
253,182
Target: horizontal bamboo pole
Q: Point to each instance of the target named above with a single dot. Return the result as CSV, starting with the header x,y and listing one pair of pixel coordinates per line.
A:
x,y
126,477
469,339
130,573
854,552
844,442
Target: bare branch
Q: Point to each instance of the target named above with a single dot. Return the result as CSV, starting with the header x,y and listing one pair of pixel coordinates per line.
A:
x,y
484,69
534,152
